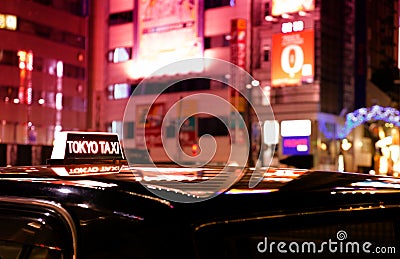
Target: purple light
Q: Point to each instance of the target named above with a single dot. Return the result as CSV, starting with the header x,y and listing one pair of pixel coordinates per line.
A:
x,y
362,115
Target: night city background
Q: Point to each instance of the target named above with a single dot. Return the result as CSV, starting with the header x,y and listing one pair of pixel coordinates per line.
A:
x,y
328,69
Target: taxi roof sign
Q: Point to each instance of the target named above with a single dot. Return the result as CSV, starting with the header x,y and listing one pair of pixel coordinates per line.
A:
x,y
88,146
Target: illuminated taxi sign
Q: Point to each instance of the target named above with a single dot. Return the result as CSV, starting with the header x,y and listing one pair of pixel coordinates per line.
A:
x,y
93,147
87,145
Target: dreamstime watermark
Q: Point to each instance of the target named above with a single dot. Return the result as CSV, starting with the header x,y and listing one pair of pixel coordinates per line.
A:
x,y
332,246
158,124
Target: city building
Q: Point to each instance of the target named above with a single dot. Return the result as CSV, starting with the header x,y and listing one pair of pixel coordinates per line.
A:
x,y
136,38
43,69
43,75
318,62
352,54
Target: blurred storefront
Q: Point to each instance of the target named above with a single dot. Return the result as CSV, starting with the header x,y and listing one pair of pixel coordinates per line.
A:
x,y
366,141
24,154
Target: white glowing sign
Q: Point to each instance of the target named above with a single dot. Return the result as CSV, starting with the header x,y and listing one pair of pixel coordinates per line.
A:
x,y
89,145
280,7
168,31
292,26
296,128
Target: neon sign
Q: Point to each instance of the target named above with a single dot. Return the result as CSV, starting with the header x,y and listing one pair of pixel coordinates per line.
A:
x,y
298,145
362,115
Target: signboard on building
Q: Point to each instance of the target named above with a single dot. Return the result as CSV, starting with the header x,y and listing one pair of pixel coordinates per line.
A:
x,y
296,145
280,7
292,58
238,42
296,137
168,31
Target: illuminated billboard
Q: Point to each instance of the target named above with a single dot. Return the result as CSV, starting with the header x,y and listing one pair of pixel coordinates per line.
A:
x,y
296,145
168,31
280,7
292,58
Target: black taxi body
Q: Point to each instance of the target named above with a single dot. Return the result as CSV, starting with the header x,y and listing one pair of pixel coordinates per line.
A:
x,y
106,210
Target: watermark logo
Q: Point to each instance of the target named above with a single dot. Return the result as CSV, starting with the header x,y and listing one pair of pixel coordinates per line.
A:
x,y
341,235
339,245
160,127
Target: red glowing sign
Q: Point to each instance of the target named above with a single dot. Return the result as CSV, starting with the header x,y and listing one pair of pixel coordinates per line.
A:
x,y
238,42
292,58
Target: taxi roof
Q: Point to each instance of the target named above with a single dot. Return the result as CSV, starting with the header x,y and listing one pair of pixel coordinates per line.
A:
x,y
98,156
273,178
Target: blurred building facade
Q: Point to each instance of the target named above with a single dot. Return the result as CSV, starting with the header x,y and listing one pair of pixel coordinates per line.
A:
x,y
317,62
43,69
355,46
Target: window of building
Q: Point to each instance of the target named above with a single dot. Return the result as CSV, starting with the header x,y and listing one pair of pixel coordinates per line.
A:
x,y
267,10
207,42
71,39
218,3
217,41
74,71
119,54
266,53
194,84
188,85
50,33
119,91
122,91
38,64
44,2
10,94
74,103
76,7
8,57
120,18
